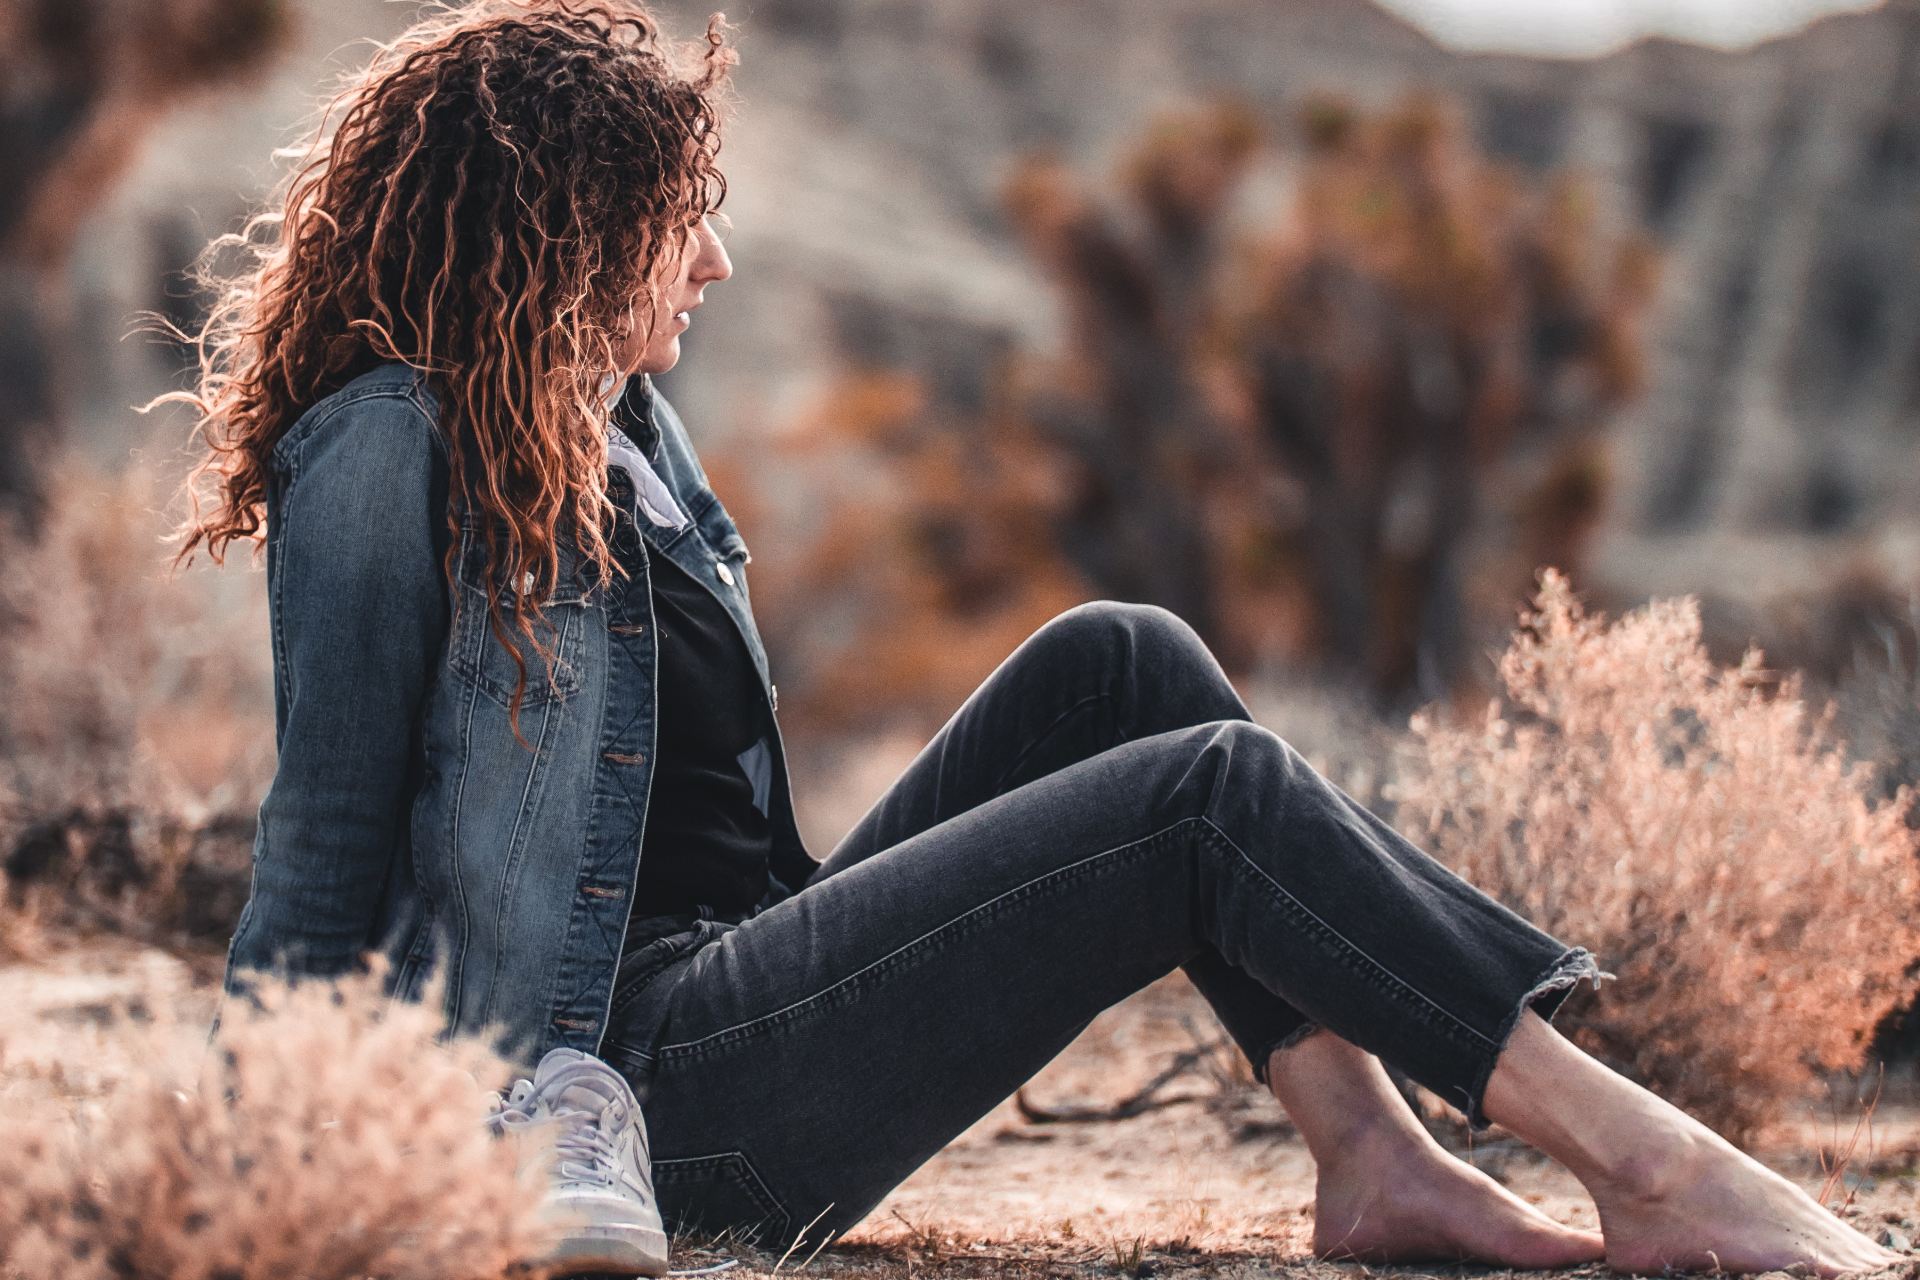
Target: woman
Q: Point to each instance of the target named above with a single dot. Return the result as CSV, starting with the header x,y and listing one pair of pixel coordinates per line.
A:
x,y
527,741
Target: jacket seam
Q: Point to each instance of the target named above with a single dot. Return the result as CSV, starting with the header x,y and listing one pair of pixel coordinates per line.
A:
x,y
291,446
457,883
517,842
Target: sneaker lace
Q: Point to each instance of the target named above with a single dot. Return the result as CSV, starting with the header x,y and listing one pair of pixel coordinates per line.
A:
x,y
512,1106
585,1151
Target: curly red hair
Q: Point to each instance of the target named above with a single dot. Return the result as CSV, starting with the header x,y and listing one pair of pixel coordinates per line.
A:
x,y
506,179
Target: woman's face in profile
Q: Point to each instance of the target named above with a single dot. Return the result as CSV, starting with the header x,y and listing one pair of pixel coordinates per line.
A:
x,y
683,278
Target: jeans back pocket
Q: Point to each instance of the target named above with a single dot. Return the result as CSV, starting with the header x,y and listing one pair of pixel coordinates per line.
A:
x,y
708,1195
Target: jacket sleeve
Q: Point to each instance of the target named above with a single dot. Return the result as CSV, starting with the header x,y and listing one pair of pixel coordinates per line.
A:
x,y
359,613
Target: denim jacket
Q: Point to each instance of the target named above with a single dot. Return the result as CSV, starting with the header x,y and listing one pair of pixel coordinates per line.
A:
x,y
403,816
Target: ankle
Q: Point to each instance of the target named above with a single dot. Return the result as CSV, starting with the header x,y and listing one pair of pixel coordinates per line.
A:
x,y
1376,1139
1604,1129
1656,1162
1346,1106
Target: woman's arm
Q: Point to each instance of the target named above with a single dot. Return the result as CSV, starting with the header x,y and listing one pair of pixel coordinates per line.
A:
x,y
359,614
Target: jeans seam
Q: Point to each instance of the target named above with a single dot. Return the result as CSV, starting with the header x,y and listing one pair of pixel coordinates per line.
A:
x,y
1393,980
1001,785
740,1030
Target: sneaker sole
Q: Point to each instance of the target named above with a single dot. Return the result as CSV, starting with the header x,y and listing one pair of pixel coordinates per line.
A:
x,y
639,1251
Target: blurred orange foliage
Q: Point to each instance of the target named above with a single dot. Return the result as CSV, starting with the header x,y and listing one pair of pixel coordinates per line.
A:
x,y
1348,435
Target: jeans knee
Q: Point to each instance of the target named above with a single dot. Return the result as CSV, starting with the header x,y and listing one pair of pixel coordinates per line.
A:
x,y
1251,740
1145,635
1248,762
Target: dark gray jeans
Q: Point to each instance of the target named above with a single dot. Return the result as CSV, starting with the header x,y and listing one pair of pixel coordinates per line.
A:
x,y
1099,811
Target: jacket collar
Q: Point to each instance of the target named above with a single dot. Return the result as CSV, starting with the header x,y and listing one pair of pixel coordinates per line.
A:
x,y
634,412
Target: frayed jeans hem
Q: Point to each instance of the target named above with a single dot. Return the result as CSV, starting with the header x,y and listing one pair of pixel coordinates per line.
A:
x,y
1544,997
1287,1041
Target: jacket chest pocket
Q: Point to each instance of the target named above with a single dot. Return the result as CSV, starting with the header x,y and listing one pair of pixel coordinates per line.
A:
x,y
481,659
730,549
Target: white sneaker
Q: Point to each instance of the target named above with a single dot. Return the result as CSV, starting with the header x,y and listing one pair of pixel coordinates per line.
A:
x,y
602,1175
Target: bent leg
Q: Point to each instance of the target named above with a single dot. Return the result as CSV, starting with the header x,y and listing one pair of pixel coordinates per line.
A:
x,y
1107,672
810,1058
1092,677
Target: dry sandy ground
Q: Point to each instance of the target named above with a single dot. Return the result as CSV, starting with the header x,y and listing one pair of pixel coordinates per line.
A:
x,y
1211,1182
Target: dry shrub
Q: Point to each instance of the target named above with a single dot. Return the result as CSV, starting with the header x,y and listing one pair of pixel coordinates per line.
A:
x,y
1704,834
23,932
137,736
126,683
157,876
327,1134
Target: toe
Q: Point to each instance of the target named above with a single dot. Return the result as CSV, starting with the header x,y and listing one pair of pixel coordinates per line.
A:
x,y
1561,1247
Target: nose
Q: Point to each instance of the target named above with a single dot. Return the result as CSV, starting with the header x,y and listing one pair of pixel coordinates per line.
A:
x,y
713,262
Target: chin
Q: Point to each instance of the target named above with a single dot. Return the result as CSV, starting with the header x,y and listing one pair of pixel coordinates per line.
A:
x,y
659,361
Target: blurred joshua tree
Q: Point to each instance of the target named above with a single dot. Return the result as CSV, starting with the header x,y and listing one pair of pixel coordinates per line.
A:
x,y
80,83
1430,348
1384,400
1147,457
1350,425
1083,478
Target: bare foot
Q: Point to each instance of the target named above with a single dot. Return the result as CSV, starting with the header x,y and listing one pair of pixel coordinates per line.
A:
x,y
1694,1201
1390,1199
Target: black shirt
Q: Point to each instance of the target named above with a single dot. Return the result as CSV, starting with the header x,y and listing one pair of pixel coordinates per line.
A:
x,y
706,841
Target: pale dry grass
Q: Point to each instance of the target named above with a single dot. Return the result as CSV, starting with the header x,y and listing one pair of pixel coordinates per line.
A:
x,y
127,683
327,1134
1703,833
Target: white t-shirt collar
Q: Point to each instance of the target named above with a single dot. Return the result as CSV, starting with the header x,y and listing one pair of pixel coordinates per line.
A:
x,y
652,498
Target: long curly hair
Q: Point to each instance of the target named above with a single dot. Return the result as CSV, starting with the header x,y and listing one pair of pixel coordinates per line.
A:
x,y
505,180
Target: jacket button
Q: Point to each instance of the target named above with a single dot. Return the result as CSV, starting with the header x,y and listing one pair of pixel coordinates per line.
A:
x,y
726,574
773,691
